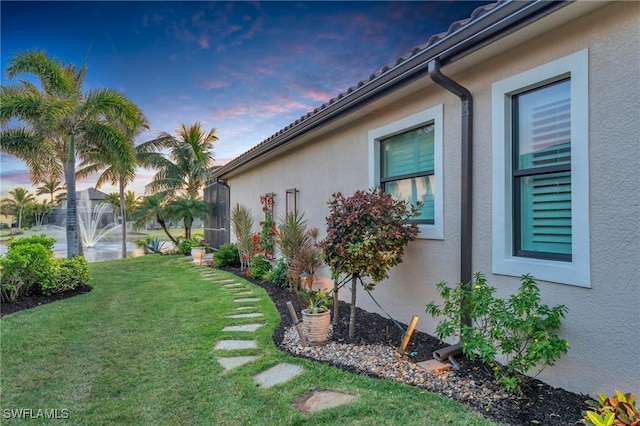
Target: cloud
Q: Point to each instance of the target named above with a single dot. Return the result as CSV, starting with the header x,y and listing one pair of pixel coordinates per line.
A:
x,y
203,41
234,111
215,84
313,93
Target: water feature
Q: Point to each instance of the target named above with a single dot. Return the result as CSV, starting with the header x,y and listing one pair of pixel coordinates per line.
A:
x,y
101,239
90,222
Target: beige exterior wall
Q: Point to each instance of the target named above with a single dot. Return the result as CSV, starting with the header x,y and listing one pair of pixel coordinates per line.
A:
x,y
603,322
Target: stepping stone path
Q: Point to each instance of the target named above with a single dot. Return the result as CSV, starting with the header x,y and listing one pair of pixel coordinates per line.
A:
x,y
320,400
251,315
229,345
277,374
236,361
247,299
243,327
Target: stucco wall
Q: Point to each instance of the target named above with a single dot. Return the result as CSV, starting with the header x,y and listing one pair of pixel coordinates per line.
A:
x,y
603,322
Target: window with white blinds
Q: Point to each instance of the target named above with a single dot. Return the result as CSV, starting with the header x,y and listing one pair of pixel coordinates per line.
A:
x,y
407,169
542,172
540,177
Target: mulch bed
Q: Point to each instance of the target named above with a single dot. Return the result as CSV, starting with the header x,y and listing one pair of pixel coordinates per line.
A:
x,y
36,300
537,403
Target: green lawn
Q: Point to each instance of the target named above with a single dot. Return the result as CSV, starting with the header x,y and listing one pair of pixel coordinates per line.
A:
x,y
139,349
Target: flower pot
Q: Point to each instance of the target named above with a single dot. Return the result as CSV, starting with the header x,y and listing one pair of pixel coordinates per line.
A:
x,y
198,254
316,326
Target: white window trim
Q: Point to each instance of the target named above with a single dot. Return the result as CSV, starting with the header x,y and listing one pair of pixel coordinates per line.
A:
x,y
578,271
435,114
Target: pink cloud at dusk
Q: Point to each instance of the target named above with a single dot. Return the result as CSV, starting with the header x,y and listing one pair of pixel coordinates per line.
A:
x,y
215,84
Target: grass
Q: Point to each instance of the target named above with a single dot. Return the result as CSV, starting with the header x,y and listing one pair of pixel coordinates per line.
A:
x,y
139,349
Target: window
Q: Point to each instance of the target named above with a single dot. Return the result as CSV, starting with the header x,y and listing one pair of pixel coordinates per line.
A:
x,y
406,162
540,172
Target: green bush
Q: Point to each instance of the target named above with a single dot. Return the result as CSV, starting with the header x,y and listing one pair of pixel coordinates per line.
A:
x,y
184,247
41,239
278,275
227,255
258,267
522,329
25,267
68,274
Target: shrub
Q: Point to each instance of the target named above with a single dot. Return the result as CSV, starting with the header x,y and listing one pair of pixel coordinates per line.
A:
x,y
184,247
366,236
521,328
25,266
242,224
259,266
278,275
68,274
619,409
227,255
41,239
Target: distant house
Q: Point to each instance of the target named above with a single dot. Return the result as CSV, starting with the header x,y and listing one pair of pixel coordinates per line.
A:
x,y
58,215
518,129
95,197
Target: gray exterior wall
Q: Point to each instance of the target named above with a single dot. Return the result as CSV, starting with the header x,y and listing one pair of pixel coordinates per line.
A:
x,y
603,322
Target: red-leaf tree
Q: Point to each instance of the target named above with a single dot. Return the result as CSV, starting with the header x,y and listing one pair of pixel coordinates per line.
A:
x,y
366,236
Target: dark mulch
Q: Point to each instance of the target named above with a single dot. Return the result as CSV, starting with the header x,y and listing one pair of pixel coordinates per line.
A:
x,y
538,403
35,300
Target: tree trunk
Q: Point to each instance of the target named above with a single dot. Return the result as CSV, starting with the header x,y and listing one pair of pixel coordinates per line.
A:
x,y
73,248
164,228
352,316
124,220
336,302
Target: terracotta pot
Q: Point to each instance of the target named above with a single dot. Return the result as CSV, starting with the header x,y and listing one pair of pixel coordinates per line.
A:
x,y
198,254
316,326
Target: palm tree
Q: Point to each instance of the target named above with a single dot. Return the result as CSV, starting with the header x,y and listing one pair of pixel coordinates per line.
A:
x,y
50,186
130,201
38,211
112,198
152,208
187,209
20,198
116,166
61,122
190,164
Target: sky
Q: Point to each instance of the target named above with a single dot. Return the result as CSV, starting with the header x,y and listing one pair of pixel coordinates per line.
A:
x,y
246,68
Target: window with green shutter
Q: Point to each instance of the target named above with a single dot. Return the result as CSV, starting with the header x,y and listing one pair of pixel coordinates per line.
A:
x,y
542,172
407,169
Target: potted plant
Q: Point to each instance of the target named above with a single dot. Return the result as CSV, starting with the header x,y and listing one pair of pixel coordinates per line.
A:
x,y
198,249
316,318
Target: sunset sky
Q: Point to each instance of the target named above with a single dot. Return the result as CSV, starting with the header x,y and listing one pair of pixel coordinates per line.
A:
x,y
246,68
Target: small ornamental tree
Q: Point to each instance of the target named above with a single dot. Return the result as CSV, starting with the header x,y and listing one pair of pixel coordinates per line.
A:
x,y
366,236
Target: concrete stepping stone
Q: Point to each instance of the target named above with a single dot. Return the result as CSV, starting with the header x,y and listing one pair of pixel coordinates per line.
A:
x,y
243,327
277,374
229,345
251,315
433,365
232,285
242,293
247,299
236,361
245,308
321,400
